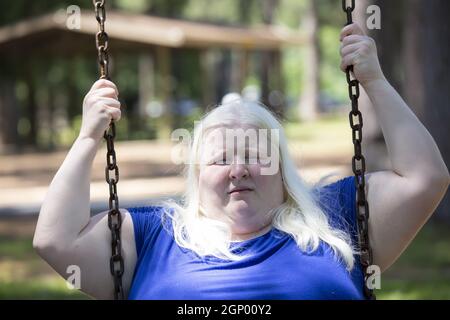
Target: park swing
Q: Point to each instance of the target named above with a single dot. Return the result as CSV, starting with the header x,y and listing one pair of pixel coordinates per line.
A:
x,y
358,164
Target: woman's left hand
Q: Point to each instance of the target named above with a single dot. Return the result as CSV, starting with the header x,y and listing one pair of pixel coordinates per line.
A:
x,y
359,50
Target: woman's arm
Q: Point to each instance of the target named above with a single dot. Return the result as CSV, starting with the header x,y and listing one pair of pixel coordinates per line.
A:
x,y
411,148
400,200
66,207
66,235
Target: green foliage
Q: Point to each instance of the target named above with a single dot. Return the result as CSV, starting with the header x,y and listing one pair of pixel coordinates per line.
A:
x,y
291,13
330,13
332,78
133,5
11,11
422,271
188,74
41,289
428,288
15,248
228,12
166,8
293,75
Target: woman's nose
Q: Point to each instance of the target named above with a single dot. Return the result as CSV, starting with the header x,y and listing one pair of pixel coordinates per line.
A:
x,y
238,171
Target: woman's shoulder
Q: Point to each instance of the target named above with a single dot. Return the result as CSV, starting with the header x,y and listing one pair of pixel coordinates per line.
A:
x,y
150,214
325,186
148,221
338,200
146,210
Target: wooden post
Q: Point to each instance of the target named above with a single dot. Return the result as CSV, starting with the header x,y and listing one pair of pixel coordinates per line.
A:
x,y
164,126
146,75
9,138
237,72
207,77
309,101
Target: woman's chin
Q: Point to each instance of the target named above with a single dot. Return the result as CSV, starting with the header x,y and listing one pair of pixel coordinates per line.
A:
x,y
241,208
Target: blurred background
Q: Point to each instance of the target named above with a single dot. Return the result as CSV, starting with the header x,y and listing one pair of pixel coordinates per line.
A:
x,y
173,60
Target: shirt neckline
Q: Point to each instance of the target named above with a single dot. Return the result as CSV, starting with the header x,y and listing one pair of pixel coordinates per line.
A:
x,y
238,243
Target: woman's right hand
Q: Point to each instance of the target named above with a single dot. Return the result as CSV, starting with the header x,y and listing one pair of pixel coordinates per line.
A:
x,y
100,106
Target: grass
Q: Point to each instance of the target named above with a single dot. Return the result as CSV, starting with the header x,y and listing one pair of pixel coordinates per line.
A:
x,y
328,137
24,275
332,125
423,270
48,288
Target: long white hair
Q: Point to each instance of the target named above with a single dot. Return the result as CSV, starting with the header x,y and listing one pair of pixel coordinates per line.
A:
x,y
300,215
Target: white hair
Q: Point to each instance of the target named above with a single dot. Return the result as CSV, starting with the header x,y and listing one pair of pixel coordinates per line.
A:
x,y
300,215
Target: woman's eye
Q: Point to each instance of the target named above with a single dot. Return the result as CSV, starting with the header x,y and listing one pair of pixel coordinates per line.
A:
x,y
221,161
249,159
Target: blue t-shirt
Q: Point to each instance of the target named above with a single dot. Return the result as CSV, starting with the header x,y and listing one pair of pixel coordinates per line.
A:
x,y
276,269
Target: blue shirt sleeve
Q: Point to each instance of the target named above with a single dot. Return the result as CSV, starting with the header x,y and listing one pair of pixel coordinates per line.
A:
x,y
338,200
146,225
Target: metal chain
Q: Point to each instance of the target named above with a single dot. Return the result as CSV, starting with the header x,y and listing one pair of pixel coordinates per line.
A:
x,y
116,262
359,168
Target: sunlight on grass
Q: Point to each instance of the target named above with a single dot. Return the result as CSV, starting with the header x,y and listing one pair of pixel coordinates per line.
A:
x,y
49,287
327,137
430,289
18,248
335,126
423,270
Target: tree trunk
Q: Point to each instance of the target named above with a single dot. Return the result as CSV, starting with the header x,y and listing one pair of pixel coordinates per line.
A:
x,y
417,68
165,86
270,73
207,75
413,85
435,53
8,117
309,102
146,74
32,108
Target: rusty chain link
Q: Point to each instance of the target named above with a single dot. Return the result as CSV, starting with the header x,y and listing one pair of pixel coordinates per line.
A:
x,y
116,262
359,168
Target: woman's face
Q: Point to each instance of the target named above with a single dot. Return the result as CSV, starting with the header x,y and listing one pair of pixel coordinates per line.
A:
x,y
226,165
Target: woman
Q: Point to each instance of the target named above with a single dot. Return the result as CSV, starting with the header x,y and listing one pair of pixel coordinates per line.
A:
x,y
245,231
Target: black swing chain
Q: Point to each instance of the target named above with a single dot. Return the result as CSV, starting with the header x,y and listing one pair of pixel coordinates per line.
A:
x,y
116,262
359,168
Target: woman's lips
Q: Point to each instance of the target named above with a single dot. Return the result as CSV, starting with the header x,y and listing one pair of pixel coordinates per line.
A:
x,y
240,191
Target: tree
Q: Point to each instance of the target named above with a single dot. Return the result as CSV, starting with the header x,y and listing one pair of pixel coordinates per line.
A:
x,y
417,68
309,102
270,72
432,60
